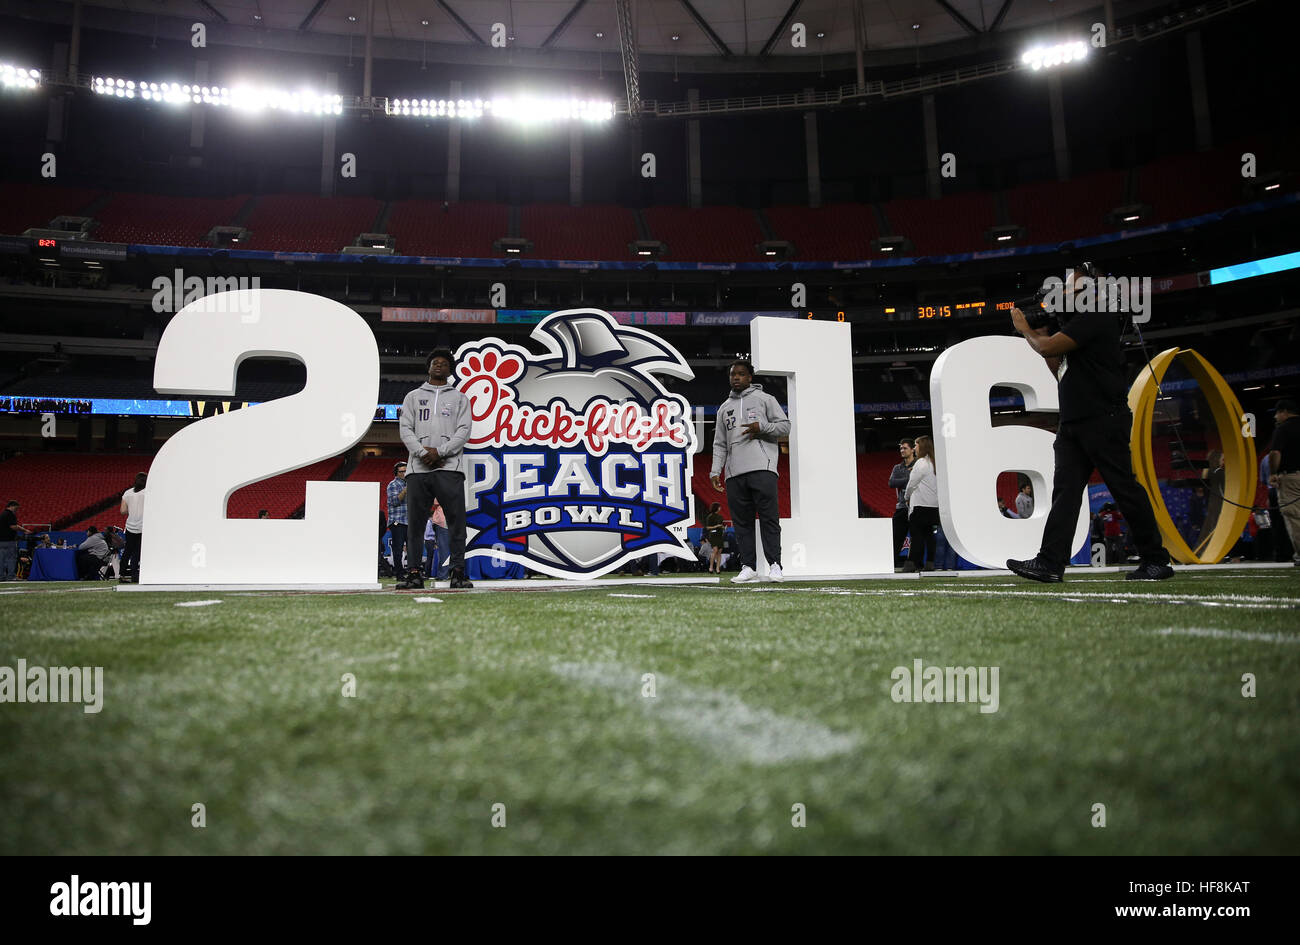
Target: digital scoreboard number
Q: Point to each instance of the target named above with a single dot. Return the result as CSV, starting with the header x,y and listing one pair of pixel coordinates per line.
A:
x,y
965,309
46,242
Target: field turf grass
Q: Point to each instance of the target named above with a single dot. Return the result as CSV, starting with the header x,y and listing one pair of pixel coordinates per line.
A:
x,y
765,697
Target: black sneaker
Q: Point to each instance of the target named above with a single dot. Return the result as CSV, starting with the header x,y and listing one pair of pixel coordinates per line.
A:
x,y
1150,572
1035,570
459,581
412,582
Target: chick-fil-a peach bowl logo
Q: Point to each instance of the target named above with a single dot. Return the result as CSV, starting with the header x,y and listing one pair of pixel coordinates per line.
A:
x,y
578,459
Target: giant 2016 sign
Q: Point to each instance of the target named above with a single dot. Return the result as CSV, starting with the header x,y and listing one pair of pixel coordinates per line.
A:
x,y
578,457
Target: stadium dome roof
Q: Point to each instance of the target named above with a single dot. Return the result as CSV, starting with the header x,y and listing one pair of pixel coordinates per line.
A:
x,y
695,31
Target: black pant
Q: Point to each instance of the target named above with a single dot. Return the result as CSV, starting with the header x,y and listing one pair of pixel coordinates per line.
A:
x,y
397,538
1100,443
900,530
753,495
922,523
449,489
130,566
88,566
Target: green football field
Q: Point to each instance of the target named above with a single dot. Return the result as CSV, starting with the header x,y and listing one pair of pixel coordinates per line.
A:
x,y
653,718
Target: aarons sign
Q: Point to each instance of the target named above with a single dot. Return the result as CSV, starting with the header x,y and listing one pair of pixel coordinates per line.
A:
x,y
578,458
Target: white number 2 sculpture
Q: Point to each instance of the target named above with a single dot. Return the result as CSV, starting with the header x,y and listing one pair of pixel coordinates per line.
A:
x,y
187,538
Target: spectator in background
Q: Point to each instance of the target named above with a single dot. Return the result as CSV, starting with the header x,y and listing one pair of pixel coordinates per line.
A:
x,y
133,508
1277,545
1025,501
92,555
1006,512
898,482
437,536
9,532
715,533
116,543
1112,530
263,513
1216,478
1284,463
397,515
923,506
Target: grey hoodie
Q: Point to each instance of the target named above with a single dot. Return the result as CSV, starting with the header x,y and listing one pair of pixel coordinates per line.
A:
x,y
737,451
437,418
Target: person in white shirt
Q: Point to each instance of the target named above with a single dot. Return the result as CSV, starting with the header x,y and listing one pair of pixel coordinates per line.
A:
x,y
133,509
1025,501
922,494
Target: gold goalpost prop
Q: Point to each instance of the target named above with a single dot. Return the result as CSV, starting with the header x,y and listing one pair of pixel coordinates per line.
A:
x,y
1241,474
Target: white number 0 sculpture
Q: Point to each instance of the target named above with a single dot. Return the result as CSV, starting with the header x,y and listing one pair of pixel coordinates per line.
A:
x,y
187,538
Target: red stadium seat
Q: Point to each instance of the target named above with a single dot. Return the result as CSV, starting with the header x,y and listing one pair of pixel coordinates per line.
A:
x,y
423,228
563,232
708,234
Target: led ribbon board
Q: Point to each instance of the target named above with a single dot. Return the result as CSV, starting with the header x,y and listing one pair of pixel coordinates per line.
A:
x,y
1240,477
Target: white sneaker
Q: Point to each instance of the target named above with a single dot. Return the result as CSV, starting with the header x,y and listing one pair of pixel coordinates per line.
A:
x,y
746,575
774,573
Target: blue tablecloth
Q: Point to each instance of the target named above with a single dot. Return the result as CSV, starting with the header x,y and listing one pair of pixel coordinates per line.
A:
x,y
480,569
54,564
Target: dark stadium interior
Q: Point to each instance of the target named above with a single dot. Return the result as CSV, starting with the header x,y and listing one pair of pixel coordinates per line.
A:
x,y
75,330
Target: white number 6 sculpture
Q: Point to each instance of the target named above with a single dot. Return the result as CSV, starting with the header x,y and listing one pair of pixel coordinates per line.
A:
x,y
187,538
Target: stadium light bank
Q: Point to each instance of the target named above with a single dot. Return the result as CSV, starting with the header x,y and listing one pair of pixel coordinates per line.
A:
x,y
525,110
1056,54
12,77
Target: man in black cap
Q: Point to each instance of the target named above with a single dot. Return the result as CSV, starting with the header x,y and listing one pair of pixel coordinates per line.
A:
x,y
1284,469
1092,433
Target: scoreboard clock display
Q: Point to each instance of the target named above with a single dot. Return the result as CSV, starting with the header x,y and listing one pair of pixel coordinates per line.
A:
x,y
962,309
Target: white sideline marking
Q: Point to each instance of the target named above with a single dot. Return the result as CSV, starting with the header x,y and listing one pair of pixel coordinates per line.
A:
x,y
1228,634
643,596
1247,601
715,718
197,603
427,600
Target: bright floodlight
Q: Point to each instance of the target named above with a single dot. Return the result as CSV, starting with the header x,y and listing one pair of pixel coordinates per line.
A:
x,y
523,110
11,77
1045,57
244,98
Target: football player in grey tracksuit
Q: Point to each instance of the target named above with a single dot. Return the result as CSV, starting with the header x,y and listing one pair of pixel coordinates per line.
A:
x,y
434,423
745,443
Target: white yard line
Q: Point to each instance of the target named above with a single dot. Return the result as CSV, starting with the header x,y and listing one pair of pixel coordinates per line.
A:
x,y
1065,593
197,603
1217,634
640,596
715,719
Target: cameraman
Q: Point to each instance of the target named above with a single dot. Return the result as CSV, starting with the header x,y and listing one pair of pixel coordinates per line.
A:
x,y
1093,433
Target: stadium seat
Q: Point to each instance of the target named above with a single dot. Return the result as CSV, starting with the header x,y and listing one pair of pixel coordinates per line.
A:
x,y
707,234
423,228
299,223
563,232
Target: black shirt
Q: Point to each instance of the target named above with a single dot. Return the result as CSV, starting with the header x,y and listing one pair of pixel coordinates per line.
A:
x,y
1286,440
1093,382
7,522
